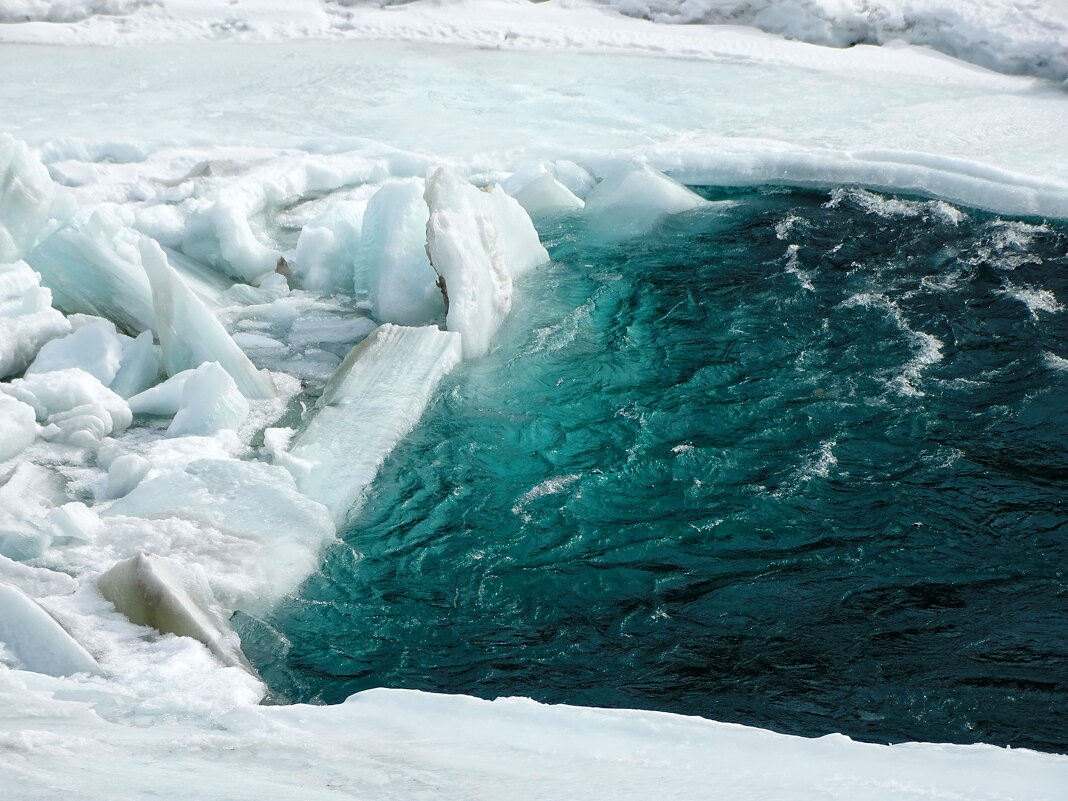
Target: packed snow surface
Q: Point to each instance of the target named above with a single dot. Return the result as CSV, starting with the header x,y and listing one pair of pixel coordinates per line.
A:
x,y
219,254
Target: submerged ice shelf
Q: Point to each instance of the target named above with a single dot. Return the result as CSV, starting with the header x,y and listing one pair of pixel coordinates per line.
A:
x,y
214,333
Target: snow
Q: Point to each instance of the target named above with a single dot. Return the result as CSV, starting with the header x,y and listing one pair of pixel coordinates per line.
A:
x,y
268,180
373,400
1021,37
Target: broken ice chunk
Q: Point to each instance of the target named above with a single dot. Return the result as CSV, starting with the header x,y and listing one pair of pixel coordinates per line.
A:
x,y
95,347
393,268
211,402
189,334
635,197
163,400
139,368
26,192
158,592
372,401
18,427
327,248
478,241
92,265
539,192
26,497
36,640
27,319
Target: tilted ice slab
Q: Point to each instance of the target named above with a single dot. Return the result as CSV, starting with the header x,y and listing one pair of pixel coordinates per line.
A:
x,y
478,242
393,268
189,333
26,194
36,640
373,400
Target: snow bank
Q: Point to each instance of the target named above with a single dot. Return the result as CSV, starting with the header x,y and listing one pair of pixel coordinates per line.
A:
x,y
1029,37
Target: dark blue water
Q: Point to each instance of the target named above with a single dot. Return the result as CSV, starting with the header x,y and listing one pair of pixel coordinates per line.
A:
x,y
799,463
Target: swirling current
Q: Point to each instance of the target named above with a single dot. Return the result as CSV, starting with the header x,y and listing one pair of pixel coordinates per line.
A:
x,y
796,460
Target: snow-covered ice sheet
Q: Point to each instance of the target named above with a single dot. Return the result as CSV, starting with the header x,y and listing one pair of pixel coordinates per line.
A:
x,y
253,201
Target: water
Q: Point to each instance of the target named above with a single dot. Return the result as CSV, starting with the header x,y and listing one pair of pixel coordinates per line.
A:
x,y
798,463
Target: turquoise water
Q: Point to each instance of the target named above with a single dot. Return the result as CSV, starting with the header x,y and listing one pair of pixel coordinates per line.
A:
x,y
798,463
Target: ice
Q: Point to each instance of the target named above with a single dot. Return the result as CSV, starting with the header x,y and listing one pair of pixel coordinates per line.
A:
x,y
36,640
189,334
26,496
26,193
539,191
241,523
72,406
211,402
478,241
126,472
373,400
159,593
164,399
95,347
139,368
73,523
327,248
93,266
393,269
18,427
231,168
27,319
635,196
